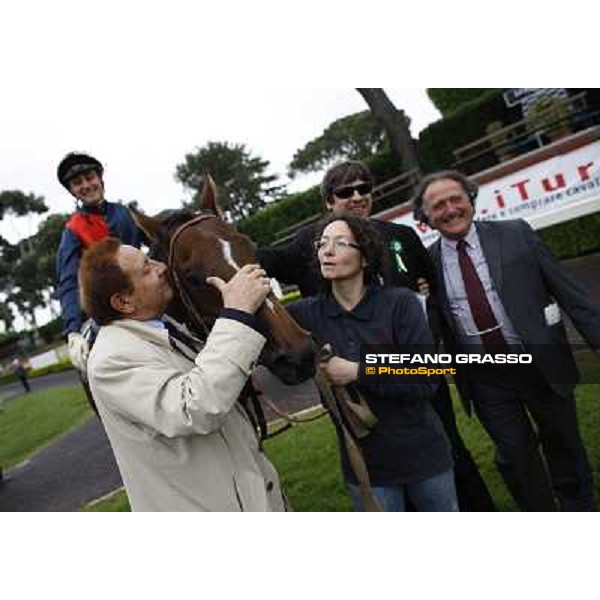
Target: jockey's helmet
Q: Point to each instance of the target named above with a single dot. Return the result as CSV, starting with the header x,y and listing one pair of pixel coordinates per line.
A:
x,y
75,163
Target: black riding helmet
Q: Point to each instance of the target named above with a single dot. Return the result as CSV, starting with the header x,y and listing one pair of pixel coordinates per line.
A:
x,y
75,163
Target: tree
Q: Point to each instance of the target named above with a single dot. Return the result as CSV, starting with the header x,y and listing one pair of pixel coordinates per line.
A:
x,y
26,301
243,185
447,100
44,248
356,137
7,316
395,123
30,280
19,204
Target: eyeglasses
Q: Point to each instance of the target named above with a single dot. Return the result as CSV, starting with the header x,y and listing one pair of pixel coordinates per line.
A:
x,y
339,245
343,193
460,312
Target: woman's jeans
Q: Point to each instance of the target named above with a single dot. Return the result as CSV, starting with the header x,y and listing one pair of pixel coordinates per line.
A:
x,y
436,494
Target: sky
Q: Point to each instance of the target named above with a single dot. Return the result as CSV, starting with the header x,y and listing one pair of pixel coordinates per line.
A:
x,y
141,138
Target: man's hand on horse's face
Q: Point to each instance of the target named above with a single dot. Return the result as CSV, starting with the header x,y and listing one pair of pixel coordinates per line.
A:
x,y
246,290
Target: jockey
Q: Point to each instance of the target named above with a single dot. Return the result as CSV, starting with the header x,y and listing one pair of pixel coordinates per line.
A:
x,y
94,220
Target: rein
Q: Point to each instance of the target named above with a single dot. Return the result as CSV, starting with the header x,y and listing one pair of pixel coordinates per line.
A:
x,y
183,293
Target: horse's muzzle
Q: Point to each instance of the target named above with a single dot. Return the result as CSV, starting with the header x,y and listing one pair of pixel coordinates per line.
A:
x,y
292,367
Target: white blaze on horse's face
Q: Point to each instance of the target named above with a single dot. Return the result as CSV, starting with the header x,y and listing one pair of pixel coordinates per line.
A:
x,y
228,257
226,247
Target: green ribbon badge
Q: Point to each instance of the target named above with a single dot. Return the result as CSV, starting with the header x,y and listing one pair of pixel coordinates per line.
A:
x,y
396,248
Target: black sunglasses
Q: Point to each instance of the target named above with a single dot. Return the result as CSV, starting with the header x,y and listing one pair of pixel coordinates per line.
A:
x,y
348,191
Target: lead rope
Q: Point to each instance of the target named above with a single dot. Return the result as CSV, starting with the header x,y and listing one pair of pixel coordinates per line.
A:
x,y
331,397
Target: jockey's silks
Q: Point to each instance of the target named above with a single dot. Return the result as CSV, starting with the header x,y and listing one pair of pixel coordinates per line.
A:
x,y
88,227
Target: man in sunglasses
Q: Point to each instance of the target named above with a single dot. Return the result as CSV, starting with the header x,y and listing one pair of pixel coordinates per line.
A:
x,y
347,189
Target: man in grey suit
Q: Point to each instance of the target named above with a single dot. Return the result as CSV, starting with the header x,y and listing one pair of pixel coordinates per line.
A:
x,y
500,288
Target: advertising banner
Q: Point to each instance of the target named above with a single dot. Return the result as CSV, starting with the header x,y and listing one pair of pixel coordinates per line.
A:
x,y
552,191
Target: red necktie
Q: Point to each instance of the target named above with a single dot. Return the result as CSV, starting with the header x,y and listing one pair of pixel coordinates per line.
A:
x,y
480,307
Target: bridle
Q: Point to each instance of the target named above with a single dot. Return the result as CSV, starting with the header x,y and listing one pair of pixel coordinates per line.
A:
x,y
199,322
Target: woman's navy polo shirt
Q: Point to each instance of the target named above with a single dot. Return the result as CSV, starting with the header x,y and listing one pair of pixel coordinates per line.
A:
x,y
408,444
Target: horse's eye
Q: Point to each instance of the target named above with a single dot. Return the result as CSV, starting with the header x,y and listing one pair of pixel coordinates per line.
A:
x,y
195,280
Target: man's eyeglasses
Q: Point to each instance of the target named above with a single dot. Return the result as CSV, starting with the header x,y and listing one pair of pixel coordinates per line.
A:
x,y
338,245
343,193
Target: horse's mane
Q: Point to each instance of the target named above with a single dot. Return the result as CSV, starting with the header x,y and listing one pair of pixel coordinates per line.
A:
x,y
173,218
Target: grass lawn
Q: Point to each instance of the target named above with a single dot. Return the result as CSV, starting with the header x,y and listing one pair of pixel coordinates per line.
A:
x,y
115,502
32,421
307,460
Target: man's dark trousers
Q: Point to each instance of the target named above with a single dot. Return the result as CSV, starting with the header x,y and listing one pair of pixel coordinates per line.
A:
x,y
473,495
506,414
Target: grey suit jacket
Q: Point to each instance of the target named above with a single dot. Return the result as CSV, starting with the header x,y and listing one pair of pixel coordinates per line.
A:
x,y
528,278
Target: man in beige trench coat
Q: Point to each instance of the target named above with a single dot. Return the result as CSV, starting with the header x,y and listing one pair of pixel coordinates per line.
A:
x,y
181,441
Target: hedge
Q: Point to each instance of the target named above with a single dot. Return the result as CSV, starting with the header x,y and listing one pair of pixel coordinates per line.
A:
x,y
267,225
448,100
469,123
52,330
438,141
573,238
264,226
59,367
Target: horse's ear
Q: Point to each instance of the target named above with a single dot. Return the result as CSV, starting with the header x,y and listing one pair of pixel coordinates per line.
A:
x,y
208,199
154,228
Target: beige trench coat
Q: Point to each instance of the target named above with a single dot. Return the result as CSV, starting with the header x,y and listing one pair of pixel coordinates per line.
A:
x,y
180,440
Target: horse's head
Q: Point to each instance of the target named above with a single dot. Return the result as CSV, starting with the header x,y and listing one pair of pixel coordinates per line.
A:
x,y
200,245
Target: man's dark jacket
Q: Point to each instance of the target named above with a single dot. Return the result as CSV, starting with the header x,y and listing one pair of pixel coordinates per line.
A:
x,y
528,278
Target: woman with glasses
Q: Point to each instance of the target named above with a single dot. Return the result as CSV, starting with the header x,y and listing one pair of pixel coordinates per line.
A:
x,y
407,453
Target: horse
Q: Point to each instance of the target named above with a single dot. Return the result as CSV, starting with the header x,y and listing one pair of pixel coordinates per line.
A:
x,y
199,245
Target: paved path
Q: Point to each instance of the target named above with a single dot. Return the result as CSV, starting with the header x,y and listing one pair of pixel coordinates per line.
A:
x,y
65,476
81,467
